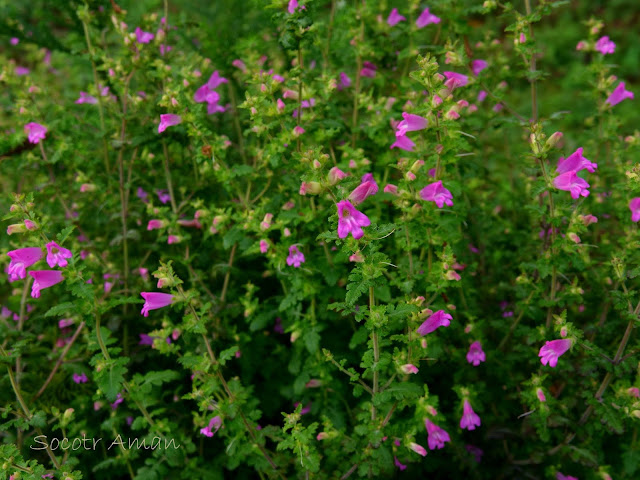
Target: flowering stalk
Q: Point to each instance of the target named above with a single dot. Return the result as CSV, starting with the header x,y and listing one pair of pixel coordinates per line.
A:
x,y
167,174
356,94
376,354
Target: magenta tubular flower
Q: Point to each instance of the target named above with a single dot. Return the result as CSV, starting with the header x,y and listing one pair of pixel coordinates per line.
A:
x,y
264,246
168,120
345,81
80,378
390,188
561,476
575,162
362,191
409,369
335,175
634,206
57,255
21,259
142,36
404,143
86,98
618,95
553,349
35,132
410,123
605,46
368,70
215,423
155,300
470,420
419,449
435,321
118,401
394,18
426,18
477,66
435,192
540,395
216,80
455,79
571,182
351,220
293,5
44,279
475,355
239,64
436,436
296,257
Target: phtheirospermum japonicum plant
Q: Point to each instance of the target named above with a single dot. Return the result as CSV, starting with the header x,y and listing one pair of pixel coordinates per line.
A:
x,y
319,239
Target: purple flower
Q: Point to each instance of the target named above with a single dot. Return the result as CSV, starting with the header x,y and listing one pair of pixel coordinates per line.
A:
x,y
118,401
142,36
435,192
575,162
296,257
605,46
410,123
215,423
561,476
80,378
21,259
435,321
155,224
470,420
397,463
44,279
618,95
475,355
426,18
571,182
455,80
57,255
65,322
362,191
345,81
86,98
368,70
142,195
404,143
395,18
168,120
477,66
35,132
239,64
436,436
409,368
634,206
540,395
155,300
553,349
215,80
163,196
351,220
21,71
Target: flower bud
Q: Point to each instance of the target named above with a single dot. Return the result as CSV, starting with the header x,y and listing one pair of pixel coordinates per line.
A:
x,y
30,225
16,228
553,140
335,175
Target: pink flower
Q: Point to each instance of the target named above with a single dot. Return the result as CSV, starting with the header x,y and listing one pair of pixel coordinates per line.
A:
x,y
436,436
426,18
239,64
168,120
14,41
397,463
293,5
634,392
215,80
280,104
296,257
540,395
80,378
44,279
475,355
215,423
86,98
561,476
404,143
173,239
35,132
589,219
634,206
335,175
21,259
298,130
30,225
390,188
142,36
435,321
582,45
435,192
470,420
57,255
570,182
118,401
351,220
618,95
409,369
419,449
362,191
395,18
155,224
575,162
455,80
553,349
410,123
482,95
155,300
264,246
477,66
20,71
605,46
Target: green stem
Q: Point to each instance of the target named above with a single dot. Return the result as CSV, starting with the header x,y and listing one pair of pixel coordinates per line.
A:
x,y
167,174
376,353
